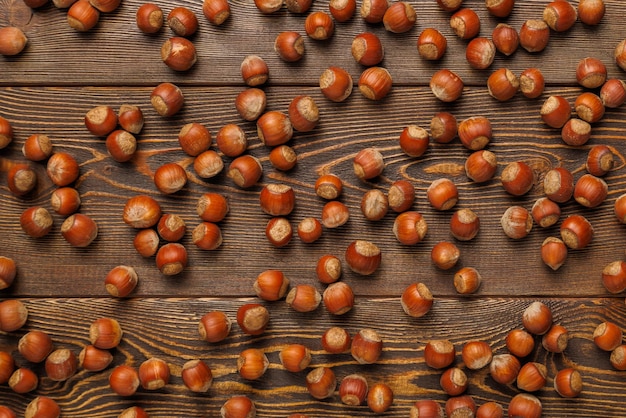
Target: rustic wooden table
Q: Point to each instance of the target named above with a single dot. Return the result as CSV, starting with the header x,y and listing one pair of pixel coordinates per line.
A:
x,y
62,74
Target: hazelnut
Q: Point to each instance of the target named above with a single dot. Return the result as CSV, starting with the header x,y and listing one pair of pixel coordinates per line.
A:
x,y
250,103
591,12
336,84
94,359
194,138
534,35
274,128
295,357
303,113
141,211
182,21
375,82
61,364
214,326
516,222
254,70
105,333
252,318
500,8
42,407
367,49
399,17
532,377
545,212
502,84
410,227
245,171
38,147
373,11
431,44
467,280
481,166
590,191
532,83
319,25
36,221
475,132
537,318
342,10
560,16
379,398
238,405
518,178
124,380
149,18
231,140
464,224
600,160
553,252
576,232
197,376
556,339
525,404
414,140
453,381
607,336
321,382
207,236
505,38
283,157
167,99
304,298
12,41
613,93
368,163
480,53
568,383
476,354
439,354
120,281
465,23
336,340
328,186
353,390
374,205
446,85
252,363
504,368
363,257
338,298
591,72
271,285
416,300
309,230
367,346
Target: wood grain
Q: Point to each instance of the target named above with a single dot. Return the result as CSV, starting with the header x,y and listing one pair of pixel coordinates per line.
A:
x,y
508,267
115,52
167,328
62,74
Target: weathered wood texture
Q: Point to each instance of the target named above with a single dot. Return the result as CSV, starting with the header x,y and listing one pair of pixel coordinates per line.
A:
x,y
62,74
116,53
508,266
167,328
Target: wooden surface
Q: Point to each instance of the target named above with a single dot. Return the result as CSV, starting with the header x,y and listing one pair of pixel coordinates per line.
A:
x,y
62,74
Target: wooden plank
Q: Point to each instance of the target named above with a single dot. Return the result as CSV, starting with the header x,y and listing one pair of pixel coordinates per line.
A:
x,y
167,328
116,53
508,267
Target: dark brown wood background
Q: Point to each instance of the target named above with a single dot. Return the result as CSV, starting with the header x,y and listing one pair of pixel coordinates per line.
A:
x,y
62,74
